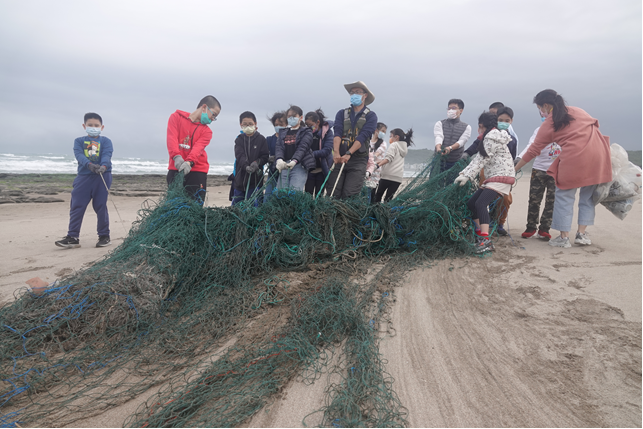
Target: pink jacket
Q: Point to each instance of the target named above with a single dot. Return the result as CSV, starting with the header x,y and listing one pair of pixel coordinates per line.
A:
x,y
585,158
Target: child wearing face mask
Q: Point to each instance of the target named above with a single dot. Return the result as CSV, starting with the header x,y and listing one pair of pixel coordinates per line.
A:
x,y
293,151
393,164
279,122
376,153
494,156
94,155
322,148
251,153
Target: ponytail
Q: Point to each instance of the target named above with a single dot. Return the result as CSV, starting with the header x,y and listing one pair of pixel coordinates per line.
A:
x,y
408,137
559,114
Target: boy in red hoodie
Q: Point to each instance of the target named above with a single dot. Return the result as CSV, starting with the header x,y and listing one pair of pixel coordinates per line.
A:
x,y
187,137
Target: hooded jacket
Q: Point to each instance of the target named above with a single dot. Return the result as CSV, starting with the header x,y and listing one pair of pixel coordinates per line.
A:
x,y
248,149
325,150
188,139
498,165
394,170
303,140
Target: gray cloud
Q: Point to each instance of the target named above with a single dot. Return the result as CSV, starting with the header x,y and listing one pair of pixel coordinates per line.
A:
x,y
137,62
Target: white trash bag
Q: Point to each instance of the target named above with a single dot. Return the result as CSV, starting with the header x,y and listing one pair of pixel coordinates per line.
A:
x,y
619,195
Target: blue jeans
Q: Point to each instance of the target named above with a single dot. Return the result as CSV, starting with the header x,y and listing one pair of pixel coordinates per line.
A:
x,y
444,166
89,187
564,207
238,197
293,179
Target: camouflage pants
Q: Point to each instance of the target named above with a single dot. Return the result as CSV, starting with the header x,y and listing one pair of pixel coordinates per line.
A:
x,y
540,181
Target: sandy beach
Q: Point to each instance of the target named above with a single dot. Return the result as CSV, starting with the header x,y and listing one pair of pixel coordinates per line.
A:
x,y
533,336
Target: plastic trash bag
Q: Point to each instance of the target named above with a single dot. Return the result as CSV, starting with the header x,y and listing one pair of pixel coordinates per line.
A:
x,y
619,195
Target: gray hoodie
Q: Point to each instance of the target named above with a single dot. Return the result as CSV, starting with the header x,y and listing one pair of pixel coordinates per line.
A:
x,y
394,170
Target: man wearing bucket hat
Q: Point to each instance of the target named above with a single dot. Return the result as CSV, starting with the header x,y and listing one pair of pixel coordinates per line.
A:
x,y
353,129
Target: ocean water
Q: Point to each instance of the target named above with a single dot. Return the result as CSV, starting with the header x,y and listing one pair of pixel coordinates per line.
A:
x,y
61,164
66,164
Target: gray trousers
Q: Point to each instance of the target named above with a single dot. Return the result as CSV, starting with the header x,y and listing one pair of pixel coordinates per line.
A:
x,y
351,181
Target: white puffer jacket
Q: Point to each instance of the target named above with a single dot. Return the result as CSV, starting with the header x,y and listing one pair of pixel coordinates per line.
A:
x,y
499,164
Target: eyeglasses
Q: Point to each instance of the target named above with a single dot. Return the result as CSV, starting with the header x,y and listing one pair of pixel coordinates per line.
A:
x,y
214,117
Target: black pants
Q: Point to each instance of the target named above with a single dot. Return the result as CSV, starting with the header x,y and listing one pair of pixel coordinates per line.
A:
x,y
388,186
479,204
352,179
314,182
195,183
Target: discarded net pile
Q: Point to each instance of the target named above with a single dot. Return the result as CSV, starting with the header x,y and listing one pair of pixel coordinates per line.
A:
x,y
187,279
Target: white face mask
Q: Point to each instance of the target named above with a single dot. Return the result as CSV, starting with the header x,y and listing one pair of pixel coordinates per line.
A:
x,y
249,130
452,113
93,131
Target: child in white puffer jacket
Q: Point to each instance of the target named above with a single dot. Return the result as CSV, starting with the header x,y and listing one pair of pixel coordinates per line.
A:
x,y
494,156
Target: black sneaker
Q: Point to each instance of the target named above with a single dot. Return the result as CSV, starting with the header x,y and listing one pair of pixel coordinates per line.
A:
x,y
501,231
68,242
103,241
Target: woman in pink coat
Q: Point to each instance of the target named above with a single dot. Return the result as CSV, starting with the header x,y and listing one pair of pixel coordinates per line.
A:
x,y
584,162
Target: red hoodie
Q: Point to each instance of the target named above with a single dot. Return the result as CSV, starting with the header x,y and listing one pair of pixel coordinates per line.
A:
x,y
188,139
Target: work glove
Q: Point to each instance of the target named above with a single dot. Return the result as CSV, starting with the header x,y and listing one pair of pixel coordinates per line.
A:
x,y
185,168
368,174
93,167
252,167
281,164
461,180
102,169
291,164
465,156
516,161
271,159
178,161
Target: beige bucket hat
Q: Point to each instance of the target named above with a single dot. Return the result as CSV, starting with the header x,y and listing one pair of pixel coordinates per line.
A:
x,y
370,97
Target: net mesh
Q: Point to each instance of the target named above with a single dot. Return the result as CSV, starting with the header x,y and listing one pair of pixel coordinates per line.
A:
x,y
212,311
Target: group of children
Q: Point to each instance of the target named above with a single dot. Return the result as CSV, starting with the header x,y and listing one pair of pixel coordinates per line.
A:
x,y
310,153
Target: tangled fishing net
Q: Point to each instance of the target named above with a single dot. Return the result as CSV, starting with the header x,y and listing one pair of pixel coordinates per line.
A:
x,y
211,311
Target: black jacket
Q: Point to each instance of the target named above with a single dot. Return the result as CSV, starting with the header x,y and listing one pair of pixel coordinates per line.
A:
x,y
303,153
248,149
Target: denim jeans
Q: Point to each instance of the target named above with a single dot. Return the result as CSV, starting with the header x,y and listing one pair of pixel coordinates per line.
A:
x,y
564,207
293,179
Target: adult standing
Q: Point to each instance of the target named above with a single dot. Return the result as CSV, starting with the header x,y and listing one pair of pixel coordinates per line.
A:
x,y
353,128
188,135
451,134
584,162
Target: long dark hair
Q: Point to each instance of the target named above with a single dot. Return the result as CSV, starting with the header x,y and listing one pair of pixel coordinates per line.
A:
x,y
404,137
489,121
317,115
560,115
379,141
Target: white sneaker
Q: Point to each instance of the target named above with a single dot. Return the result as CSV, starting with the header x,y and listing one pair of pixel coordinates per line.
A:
x,y
582,239
560,242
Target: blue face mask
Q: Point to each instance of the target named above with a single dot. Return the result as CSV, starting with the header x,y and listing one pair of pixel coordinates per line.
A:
x,y
503,125
542,119
293,121
278,128
93,131
381,135
356,100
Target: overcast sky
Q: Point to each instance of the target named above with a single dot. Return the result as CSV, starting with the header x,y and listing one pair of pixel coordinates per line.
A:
x,y
136,62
